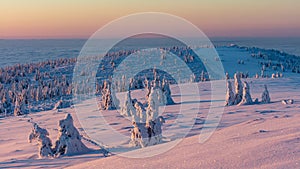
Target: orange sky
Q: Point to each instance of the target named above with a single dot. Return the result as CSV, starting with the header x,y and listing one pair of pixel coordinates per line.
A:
x,y
81,18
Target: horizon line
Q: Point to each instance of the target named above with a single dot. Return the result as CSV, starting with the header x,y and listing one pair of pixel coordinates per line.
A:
x,y
146,37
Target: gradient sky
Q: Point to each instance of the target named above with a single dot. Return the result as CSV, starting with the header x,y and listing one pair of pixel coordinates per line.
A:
x,y
81,18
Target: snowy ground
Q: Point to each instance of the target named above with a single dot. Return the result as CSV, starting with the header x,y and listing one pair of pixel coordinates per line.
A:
x,y
254,136
264,136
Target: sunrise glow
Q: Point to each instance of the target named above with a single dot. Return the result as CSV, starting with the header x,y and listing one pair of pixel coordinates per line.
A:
x,y
79,19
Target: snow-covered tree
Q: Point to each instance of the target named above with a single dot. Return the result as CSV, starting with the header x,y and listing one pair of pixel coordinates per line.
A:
x,y
44,142
128,107
157,88
38,94
140,112
147,87
107,100
146,135
6,101
265,97
227,76
246,99
282,68
192,78
167,93
135,114
263,73
131,84
122,84
148,131
238,88
114,98
153,106
273,75
202,76
18,107
2,110
229,95
69,139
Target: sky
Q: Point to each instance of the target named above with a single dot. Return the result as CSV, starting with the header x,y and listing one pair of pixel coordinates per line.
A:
x,y
81,18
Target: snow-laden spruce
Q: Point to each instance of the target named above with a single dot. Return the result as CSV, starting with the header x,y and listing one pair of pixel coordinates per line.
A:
x,y
246,99
146,135
140,113
153,106
202,76
69,139
238,88
19,107
167,93
42,137
273,75
265,97
147,87
229,95
148,131
128,107
157,87
107,100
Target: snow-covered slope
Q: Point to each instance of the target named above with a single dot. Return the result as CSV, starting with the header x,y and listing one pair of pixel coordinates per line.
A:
x,y
265,142
264,136
252,136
